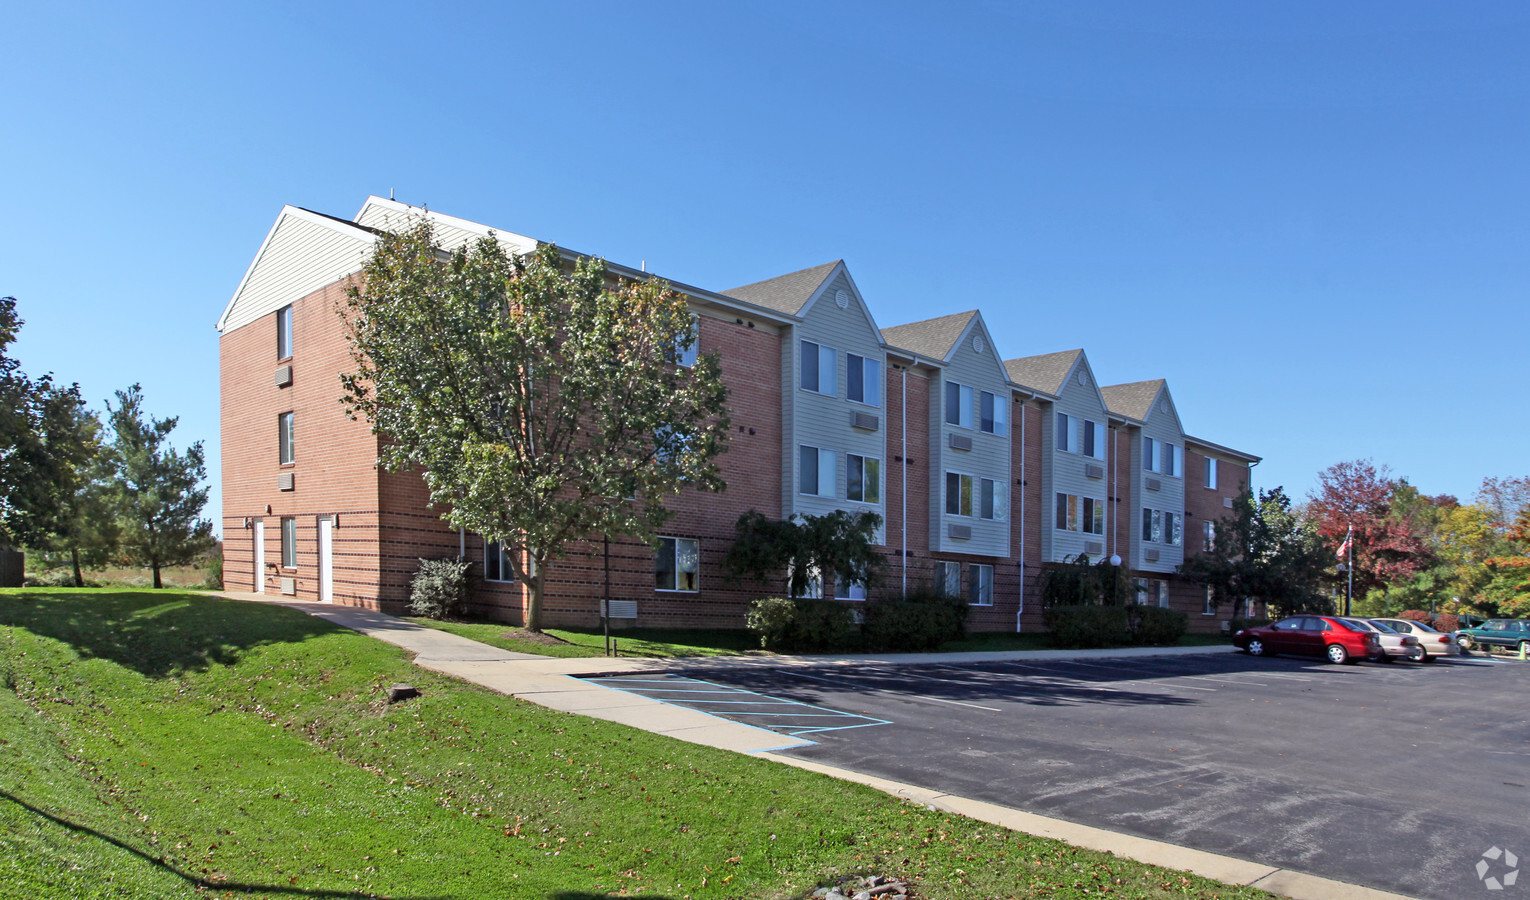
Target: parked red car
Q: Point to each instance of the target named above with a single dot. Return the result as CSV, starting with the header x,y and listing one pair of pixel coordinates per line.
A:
x,y
1328,636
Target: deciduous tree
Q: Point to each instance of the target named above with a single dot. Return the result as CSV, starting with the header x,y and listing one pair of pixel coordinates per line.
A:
x,y
1265,551
1388,546
541,399
158,492
826,548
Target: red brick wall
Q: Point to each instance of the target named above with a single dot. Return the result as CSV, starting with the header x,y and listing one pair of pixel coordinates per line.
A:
x,y
1203,504
332,471
1032,414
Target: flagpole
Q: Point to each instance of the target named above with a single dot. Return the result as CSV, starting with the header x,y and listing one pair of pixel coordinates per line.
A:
x,y
1349,543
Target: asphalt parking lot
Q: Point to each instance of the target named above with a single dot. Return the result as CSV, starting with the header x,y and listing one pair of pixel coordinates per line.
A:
x,y
1397,776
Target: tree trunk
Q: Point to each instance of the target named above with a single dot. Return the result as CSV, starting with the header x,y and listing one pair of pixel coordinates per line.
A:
x,y
154,564
534,606
74,557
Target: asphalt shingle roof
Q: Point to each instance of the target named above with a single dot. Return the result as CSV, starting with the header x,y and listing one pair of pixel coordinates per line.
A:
x,y
785,293
933,337
1043,373
1133,400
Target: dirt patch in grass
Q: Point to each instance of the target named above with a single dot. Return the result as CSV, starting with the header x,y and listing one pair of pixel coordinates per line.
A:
x,y
534,637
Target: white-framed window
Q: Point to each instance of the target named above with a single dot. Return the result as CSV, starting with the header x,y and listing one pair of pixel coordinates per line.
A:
x,y
993,413
993,500
959,404
863,380
1152,592
289,543
959,494
863,478
1161,526
1082,436
677,565
284,332
496,562
284,438
980,585
948,578
1085,514
813,590
820,374
1160,456
1149,456
1211,473
1209,607
815,475
687,347
1170,457
1209,532
849,588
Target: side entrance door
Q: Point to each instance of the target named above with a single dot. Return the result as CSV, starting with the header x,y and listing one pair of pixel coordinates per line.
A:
x,y
258,535
326,559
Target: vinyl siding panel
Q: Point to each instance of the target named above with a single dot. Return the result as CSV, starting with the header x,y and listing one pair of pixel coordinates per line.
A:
x,y
1162,425
300,257
988,458
1067,470
384,217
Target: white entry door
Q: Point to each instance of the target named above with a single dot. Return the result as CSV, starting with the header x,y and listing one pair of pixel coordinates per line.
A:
x,y
326,559
259,537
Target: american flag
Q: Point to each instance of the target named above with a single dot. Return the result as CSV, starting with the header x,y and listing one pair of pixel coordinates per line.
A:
x,y
1349,539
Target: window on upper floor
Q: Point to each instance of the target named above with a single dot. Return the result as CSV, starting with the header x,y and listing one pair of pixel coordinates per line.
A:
x,y
1084,514
677,565
959,403
1211,473
993,500
1209,532
1162,527
284,438
1083,436
980,584
1160,456
687,346
992,413
820,374
863,380
815,471
284,332
959,494
948,578
863,478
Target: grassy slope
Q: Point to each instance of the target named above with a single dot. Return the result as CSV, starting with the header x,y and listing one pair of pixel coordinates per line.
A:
x,y
150,742
651,642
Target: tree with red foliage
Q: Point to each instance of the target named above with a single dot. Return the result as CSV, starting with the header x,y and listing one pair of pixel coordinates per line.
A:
x,y
1388,545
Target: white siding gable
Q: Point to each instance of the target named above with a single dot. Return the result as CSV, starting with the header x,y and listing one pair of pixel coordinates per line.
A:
x,y
1162,425
450,231
302,253
1075,472
974,367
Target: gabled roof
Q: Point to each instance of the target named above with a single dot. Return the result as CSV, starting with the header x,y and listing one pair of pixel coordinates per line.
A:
x,y
1134,400
934,338
1045,373
787,293
303,251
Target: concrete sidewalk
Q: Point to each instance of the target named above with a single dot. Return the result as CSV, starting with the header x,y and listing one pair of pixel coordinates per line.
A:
x,y
554,683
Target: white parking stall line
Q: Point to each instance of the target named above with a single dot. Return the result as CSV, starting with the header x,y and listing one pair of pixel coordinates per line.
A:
x,y
618,682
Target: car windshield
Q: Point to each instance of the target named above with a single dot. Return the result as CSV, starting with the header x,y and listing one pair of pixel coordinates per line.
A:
x,y
1356,625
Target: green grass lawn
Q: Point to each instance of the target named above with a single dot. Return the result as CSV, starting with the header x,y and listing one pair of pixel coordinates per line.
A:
x,y
651,642
156,745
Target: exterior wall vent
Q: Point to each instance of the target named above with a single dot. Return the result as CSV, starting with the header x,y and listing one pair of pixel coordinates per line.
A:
x,y
284,481
1093,471
960,442
961,532
283,376
1227,503
289,586
864,420
1094,548
1150,555
1154,484
623,609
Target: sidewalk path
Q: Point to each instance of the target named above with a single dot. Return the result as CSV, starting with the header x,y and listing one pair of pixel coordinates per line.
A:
x,y
553,682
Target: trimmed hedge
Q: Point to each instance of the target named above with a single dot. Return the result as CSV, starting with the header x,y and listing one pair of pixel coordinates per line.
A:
x,y
1155,625
797,624
920,621
1087,626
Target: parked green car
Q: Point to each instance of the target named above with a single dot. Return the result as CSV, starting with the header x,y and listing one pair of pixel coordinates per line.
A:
x,y
1511,633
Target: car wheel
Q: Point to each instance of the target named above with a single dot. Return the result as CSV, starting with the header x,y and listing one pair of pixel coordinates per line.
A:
x,y
1524,649
1418,654
1337,654
1429,658
1256,647
1467,642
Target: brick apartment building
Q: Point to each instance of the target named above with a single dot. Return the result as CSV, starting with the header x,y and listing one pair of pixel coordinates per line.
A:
x,y
984,470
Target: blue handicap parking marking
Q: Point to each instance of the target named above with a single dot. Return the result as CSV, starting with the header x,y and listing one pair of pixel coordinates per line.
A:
x,y
739,705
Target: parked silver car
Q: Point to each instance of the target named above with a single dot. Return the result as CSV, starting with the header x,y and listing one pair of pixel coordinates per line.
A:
x,y
1434,643
1394,645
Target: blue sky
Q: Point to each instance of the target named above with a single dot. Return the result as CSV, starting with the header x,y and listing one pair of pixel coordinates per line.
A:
x,y
1311,218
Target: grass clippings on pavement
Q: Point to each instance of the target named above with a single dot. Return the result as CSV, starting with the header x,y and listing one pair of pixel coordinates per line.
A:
x,y
158,745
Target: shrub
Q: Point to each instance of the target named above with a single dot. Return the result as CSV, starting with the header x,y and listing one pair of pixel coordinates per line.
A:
x,y
922,620
215,572
1156,625
1087,626
441,588
1236,625
1417,615
798,624
1446,622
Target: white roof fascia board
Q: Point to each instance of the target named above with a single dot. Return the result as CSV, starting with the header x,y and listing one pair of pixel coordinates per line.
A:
x,y
1220,449
357,232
